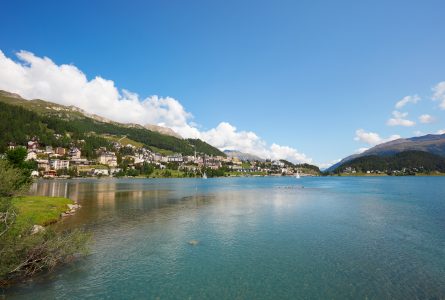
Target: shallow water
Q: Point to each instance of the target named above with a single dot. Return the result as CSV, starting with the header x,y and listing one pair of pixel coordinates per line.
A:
x,y
255,238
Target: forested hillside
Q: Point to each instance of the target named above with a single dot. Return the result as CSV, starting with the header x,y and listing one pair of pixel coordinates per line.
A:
x,y
415,161
20,121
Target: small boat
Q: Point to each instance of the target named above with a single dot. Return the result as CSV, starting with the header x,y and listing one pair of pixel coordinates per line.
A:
x,y
298,175
204,176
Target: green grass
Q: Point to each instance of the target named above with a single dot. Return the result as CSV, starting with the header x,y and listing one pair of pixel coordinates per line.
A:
x,y
123,140
160,173
39,210
161,151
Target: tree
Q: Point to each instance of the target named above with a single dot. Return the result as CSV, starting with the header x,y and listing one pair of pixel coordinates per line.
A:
x,y
13,181
16,156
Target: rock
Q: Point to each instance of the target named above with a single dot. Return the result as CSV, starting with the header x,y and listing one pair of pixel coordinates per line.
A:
x,y
193,242
73,206
64,215
37,228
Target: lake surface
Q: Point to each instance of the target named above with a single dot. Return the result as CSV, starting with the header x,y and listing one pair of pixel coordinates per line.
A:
x,y
258,238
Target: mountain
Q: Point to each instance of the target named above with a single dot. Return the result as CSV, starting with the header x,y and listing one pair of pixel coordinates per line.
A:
x,y
163,130
408,162
60,125
431,143
242,156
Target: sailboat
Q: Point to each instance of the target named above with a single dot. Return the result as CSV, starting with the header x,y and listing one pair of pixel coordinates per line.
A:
x,y
298,175
204,176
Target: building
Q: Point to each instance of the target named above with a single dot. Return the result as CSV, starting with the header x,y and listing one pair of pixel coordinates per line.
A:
x,y
59,164
101,172
108,158
175,158
49,150
33,145
74,153
32,155
11,146
43,164
60,151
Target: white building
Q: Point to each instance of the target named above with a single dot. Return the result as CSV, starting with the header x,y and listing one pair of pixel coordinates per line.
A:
x,y
58,164
74,153
108,158
103,172
175,158
31,155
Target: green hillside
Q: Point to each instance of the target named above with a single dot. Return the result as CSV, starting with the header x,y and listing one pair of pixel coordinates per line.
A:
x,y
22,119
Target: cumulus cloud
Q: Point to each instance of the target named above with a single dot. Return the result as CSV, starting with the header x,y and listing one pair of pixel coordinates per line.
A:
x,y
226,137
372,138
439,94
36,77
426,119
39,77
399,119
407,99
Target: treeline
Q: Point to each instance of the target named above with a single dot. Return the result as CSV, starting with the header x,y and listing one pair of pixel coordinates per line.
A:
x,y
422,161
303,166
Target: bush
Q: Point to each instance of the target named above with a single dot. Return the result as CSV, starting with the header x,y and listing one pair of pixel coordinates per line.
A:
x,y
23,254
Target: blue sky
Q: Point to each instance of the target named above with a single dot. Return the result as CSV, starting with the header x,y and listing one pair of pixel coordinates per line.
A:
x,y
304,74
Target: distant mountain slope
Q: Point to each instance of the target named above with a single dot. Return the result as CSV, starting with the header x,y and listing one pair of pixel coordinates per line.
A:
x,y
163,130
48,118
419,160
431,143
242,156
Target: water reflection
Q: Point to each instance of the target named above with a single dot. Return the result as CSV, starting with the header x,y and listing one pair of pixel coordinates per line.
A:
x,y
262,238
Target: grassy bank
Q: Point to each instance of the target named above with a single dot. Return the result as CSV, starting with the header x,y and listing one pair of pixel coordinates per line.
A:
x,y
38,210
25,252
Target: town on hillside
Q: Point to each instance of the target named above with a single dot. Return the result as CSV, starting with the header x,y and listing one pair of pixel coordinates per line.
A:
x,y
129,160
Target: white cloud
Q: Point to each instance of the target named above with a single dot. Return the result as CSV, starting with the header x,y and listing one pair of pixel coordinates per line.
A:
x,y
418,133
439,94
36,77
372,138
361,150
407,99
226,137
324,166
441,131
399,119
426,119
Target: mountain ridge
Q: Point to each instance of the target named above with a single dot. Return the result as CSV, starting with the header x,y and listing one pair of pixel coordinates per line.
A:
x,y
430,143
53,117
49,106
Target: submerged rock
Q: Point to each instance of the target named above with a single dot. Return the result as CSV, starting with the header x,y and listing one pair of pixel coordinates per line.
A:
x,y
193,242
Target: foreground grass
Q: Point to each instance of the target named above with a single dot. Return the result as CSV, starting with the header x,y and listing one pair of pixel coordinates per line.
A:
x,y
24,254
39,210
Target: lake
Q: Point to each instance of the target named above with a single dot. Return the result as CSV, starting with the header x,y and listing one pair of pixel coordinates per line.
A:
x,y
252,238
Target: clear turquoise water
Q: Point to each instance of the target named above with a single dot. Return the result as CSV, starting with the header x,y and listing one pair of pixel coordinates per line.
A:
x,y
259,238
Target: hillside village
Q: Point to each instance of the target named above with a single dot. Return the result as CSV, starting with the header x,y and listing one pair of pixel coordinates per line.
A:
x,y
130,160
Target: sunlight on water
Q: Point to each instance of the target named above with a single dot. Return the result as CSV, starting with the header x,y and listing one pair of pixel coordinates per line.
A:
x,y
252,238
